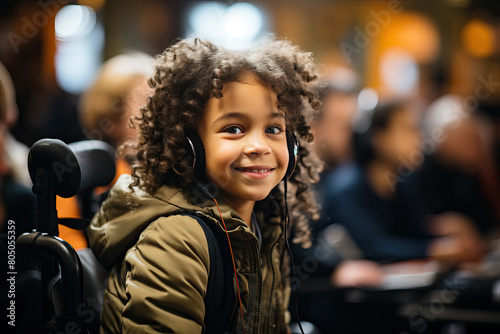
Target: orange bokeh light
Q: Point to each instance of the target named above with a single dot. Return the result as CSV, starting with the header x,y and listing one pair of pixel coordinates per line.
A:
x,y
478,38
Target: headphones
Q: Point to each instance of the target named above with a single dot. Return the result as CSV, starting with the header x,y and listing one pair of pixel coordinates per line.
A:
x,y
199,159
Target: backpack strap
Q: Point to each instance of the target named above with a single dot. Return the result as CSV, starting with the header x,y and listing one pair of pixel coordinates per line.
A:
x,y
220,302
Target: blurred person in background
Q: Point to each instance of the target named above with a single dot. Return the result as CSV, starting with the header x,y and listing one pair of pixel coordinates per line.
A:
x,y
374,198
118,92
450,177
489,117
17,200
333,128
17,214
16,152
332,132
16,189
490,175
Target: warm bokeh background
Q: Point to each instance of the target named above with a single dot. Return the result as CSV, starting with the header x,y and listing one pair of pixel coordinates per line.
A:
x,y
432,46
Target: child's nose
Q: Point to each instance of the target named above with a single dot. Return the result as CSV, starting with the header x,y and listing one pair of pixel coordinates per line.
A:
x,y
257,145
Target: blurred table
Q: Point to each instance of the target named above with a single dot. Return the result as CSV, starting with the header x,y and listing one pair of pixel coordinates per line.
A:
x,y
416,297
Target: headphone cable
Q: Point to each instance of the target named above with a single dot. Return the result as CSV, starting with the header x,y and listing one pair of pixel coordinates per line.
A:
x,y
287,222
234,265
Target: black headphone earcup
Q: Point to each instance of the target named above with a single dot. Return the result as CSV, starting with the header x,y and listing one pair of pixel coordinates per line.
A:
x,y
198,154
293,153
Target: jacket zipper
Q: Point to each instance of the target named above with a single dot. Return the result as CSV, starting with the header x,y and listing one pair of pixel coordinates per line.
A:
x,y
274,281
261,284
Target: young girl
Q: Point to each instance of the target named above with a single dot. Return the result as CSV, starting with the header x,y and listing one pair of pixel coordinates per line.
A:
x,y
244,106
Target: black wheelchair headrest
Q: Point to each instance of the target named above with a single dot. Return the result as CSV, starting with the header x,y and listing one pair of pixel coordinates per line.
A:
x,y
74,168
97,163
59,162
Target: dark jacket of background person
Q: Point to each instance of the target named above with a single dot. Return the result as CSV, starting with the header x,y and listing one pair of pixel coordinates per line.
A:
x,y
19,203
446,188
159,264
384,229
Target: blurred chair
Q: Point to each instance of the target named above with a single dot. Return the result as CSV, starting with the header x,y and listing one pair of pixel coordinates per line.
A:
x,y
58,169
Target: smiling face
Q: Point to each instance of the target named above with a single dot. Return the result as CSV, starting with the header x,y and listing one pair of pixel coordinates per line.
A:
x,y
245,142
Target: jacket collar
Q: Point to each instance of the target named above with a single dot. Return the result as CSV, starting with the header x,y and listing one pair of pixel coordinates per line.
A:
x,y
207,208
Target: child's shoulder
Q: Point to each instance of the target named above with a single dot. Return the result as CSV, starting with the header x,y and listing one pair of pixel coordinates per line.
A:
x,y
126,216
175,232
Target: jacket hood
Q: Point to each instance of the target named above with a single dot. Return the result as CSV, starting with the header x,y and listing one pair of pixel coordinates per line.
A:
x,y
116,227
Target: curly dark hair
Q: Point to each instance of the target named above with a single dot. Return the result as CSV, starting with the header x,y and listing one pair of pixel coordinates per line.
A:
x,y
192,71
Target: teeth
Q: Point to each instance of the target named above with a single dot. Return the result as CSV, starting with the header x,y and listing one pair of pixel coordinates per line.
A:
x,y
255,170
259,170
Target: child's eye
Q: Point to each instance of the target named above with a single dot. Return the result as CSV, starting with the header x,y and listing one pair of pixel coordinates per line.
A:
x,y
274,130
233,130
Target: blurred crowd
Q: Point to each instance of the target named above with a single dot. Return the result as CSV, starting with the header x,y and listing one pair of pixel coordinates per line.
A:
x,y
402,183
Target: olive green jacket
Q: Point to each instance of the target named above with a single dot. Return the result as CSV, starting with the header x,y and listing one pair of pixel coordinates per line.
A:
x,y
159,264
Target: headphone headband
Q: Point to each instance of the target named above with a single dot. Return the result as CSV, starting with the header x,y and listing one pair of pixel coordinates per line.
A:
x,y
192,150
293,153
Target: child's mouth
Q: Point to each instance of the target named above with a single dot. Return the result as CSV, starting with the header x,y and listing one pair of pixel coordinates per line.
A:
x,y
254,170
